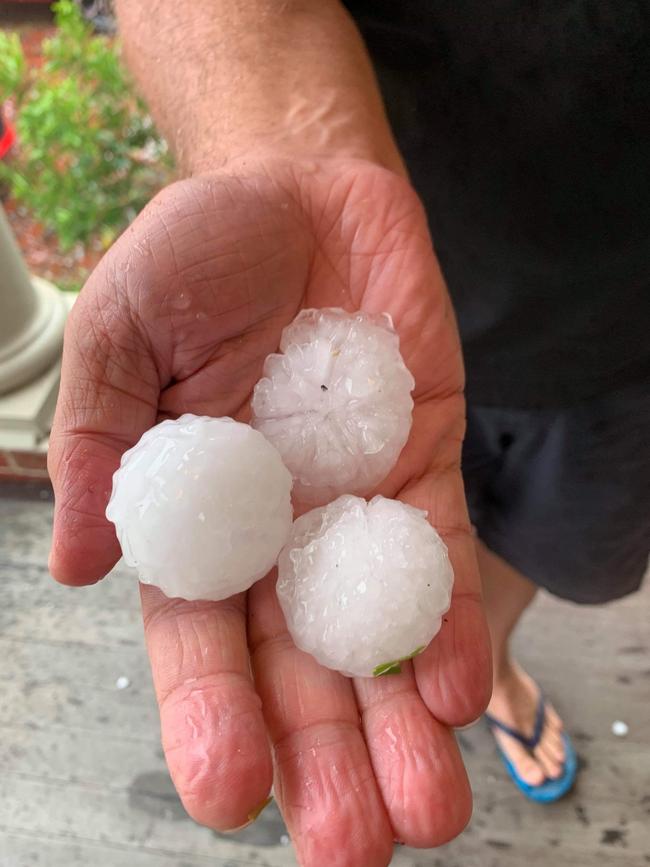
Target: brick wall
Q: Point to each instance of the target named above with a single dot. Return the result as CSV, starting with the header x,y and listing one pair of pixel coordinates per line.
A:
x,y
16,466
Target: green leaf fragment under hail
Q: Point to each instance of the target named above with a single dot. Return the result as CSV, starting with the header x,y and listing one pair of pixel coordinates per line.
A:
x,y
395,667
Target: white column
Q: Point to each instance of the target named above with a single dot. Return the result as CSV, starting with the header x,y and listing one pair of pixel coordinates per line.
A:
x,y
32,317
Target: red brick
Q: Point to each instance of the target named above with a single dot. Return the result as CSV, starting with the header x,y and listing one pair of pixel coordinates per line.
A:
x,y
30,460
17,474
12,485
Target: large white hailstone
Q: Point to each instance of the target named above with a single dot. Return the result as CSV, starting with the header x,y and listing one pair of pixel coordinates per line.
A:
x,y
202,507
337,403
364,586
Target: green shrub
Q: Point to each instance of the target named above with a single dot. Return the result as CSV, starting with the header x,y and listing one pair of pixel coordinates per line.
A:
x,y
12,65
89,157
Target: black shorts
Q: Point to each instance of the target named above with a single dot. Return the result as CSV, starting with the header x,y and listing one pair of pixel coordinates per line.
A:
x,y
564,495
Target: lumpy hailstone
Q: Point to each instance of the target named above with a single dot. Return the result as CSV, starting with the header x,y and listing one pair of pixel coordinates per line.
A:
x,y
201,506
336,403
363,585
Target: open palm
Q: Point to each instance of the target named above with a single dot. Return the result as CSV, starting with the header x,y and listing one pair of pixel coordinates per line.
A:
x,y
179,317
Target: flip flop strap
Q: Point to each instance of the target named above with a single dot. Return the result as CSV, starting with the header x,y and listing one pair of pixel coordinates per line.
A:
x,y
529,743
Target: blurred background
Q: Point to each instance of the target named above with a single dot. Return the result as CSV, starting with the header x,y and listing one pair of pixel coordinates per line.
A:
x,y
86,156
82,776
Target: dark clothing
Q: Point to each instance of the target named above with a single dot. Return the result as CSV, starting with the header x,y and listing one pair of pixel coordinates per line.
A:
x,y
563,495
526,129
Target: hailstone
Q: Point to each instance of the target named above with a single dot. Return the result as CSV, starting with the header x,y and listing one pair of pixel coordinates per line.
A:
x,y
201,506
364,586
336,403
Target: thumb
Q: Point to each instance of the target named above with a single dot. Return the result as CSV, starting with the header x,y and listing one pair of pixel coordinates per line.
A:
x,y
108,397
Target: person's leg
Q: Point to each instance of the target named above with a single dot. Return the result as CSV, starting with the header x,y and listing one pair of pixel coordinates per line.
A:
x,y
507,594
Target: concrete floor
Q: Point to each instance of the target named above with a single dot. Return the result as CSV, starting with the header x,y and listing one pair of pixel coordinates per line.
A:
x,y
83,781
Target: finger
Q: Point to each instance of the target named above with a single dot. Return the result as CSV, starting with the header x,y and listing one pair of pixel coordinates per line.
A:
x,y
454,673
213,731
416,761
107,399
324,780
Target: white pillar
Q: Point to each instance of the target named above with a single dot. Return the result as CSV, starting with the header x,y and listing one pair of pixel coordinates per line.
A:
x,y
32,317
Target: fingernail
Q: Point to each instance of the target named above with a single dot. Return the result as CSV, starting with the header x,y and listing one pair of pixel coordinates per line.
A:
x,y
254,813
468,725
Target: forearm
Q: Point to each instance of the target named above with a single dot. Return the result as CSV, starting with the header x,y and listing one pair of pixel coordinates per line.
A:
x,y
227,80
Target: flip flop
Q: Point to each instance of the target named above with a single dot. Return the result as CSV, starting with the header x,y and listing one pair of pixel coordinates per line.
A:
x,y
550,790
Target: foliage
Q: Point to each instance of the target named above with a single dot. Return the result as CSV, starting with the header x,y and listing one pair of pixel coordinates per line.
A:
x,y
89,157
12,65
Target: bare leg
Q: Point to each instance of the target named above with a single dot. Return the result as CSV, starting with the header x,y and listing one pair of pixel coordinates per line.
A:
x,y
507,594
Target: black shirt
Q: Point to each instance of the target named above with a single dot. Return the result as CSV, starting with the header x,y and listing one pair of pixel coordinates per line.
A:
x,y
526,129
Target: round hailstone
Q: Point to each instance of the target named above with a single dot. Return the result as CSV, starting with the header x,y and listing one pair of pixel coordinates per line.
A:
x,y
364,586
337,403
201,506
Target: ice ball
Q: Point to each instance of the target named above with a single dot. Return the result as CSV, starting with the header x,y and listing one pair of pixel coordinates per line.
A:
x,y
201,506
364,586
336,402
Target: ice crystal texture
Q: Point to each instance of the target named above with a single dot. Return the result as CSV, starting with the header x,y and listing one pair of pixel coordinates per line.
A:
x,y
201,506
363,585
336,403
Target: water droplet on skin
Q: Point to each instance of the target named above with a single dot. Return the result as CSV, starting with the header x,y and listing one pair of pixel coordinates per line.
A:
x,y
192,725
181,301
392,736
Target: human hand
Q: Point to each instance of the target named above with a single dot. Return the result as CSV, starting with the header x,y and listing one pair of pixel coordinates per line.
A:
x,y
179,317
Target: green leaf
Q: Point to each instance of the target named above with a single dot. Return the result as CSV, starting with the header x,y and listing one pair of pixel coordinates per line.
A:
x,y
394,667
12,65
387,668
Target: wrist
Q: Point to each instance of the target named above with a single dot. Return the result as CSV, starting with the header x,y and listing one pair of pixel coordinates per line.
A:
x,y
302,134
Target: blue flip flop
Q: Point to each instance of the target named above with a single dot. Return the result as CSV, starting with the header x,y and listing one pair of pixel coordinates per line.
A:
x,y
549,790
